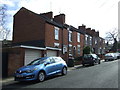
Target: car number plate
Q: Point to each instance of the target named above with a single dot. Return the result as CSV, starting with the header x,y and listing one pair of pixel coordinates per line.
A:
x,y
19,76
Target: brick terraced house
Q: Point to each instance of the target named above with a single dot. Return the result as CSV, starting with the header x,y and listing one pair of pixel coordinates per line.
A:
x,y
39,35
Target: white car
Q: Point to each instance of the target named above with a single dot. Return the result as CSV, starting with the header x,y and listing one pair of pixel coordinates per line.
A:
x,y
110,56
117,55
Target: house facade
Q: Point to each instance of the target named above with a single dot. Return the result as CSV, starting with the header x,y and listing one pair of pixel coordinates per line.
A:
x,y
40,35
94,41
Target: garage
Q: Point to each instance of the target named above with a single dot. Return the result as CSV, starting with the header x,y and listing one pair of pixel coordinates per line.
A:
x,y
51,53
31,55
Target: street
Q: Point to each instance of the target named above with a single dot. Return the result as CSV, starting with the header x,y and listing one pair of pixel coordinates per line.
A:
x,y
104,75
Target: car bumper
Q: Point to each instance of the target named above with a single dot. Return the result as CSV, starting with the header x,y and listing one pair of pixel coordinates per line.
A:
x,y
88,62
25,77
109,58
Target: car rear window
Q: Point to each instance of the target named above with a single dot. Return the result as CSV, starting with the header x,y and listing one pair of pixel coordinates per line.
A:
x,y
87,56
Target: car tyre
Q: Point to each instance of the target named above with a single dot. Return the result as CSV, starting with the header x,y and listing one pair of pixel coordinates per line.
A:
x,y
41,76
99,62
83,65
64,71
93,64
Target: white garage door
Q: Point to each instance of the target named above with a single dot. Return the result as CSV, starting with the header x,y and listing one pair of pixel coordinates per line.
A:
x,y
51,53
31,55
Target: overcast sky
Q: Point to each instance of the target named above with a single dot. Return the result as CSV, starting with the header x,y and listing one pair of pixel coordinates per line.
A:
x,y
101,15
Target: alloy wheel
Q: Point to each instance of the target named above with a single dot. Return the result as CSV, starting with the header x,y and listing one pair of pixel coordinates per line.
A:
x,y
41,76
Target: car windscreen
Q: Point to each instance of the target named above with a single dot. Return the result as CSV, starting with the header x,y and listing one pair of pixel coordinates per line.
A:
x,y
94,56
37,61
109,54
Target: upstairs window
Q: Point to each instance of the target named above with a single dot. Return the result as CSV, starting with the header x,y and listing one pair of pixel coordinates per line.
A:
x,y
70,36
95,41
78,37
90,40
56,33
86,39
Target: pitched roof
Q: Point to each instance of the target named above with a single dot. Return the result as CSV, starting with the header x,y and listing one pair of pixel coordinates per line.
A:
x,y
51,21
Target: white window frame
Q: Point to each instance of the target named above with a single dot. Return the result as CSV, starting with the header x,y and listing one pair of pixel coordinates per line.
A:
x,y
78,37
78,48
90,40
86,39
95,41
70,36
56,33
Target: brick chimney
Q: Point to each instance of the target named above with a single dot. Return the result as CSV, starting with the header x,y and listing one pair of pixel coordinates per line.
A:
x,y
88,30
48,14
93,32
83,27
97,33
59,18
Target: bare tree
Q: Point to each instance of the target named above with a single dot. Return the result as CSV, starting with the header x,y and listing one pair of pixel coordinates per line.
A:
x,y
4,31
112,35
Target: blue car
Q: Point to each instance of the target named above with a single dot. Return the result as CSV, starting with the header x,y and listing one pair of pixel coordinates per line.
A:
x,y
41,68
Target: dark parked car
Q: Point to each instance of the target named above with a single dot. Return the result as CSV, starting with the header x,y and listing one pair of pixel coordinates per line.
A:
x,y
41,68
90,59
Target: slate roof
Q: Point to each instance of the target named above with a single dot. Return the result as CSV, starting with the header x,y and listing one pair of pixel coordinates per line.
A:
x,y
50,21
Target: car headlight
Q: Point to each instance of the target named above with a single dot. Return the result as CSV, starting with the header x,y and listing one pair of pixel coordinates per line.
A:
x,y
29,71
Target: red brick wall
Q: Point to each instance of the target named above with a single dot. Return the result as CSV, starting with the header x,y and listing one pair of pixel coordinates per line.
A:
x,y
50,36
65,36
65,42
27,26
15,60
75,43
82,40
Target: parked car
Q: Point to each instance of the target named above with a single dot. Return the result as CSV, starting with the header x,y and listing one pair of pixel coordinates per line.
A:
x,y
110,56
90,59
41,68
117,55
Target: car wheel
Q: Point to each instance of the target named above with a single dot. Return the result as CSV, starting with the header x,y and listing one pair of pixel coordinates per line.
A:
x,y
99,62
41,76
93,64
105,60
64,71
83,65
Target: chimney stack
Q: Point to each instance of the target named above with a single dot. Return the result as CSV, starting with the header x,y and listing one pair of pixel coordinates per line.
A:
x,y
48,14
83,28
97,33
93,32
60,18
88,30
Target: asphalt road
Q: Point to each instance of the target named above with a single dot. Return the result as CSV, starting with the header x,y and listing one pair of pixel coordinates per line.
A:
x,y
104,75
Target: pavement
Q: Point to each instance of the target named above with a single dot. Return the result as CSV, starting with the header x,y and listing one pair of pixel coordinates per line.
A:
x,y
10,80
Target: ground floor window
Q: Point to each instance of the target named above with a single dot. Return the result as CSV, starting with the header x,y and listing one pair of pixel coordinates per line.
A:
x,y
70,50
78,48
